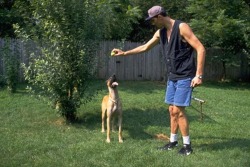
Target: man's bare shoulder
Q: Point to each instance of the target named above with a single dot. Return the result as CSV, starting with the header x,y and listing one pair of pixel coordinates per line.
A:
x,y
185,29
157,34
184,26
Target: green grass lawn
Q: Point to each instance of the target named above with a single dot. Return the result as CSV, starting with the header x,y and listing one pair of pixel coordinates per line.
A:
x,y
32,134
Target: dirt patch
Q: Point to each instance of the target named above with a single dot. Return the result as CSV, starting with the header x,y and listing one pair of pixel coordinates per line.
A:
x,y
162,136
59,122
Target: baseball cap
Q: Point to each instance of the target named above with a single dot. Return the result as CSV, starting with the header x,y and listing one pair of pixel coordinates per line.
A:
x,y
154,11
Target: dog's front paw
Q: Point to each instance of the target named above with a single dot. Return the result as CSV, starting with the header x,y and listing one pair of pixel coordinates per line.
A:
x,y
103,131
108,140
120,141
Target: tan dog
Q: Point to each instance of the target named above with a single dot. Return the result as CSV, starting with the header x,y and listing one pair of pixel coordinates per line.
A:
x,y
112,104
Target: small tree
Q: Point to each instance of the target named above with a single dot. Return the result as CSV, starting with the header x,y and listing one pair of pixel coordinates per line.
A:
x,y
65,32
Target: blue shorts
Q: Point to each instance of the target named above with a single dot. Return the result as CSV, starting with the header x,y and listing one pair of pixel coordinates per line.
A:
x,y
179,92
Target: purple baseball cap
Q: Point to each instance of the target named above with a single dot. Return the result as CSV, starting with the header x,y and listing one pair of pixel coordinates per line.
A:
x,y
154,11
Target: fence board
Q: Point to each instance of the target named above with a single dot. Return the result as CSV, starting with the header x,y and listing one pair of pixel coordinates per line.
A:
x,y
145,66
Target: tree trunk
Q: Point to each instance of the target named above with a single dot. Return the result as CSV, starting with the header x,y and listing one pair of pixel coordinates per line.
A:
x,y
223,78
67,110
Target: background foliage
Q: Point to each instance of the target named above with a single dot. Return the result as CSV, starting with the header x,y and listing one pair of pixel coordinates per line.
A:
x,y
217,23
223,25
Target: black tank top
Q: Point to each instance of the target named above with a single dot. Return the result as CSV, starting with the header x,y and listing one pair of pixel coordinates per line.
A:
x,y
178,55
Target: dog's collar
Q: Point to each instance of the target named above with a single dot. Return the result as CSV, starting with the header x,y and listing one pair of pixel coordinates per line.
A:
x,y
111,99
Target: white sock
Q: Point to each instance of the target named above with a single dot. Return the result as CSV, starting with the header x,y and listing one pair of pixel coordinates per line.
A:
x,y
173,137
186,139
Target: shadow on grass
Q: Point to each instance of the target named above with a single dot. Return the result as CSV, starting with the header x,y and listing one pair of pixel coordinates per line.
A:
x,y
135,121
198,114
227,85
91,121
227,143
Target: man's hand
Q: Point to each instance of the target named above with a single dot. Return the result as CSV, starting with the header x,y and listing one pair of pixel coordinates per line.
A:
x,y
117,52
196,81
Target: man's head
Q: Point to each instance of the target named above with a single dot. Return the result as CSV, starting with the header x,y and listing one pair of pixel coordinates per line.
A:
x,y
155,11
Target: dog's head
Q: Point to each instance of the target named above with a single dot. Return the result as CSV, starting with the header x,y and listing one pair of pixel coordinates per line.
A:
x,y
112,81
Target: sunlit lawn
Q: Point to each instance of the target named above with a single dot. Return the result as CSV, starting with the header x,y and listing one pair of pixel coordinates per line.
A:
x,y
32,134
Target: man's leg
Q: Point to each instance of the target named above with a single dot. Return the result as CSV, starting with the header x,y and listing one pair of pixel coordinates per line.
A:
x,y
173,119
178,120
182,120
178,95
174,129
184,129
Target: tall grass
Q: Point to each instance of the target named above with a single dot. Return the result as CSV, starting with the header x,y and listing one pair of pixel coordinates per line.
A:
x,y
32,134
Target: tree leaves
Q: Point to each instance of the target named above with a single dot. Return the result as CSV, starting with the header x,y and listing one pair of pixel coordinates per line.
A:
x,y
65,67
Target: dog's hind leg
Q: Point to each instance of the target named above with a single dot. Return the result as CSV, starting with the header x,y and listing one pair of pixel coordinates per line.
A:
x,y
113,124
104,108
103,120
120,128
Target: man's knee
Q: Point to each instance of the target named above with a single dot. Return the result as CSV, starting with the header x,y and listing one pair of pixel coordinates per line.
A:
x,y
177,111
170,108
181,115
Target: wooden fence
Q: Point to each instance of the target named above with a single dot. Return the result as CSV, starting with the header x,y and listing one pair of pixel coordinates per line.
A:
x,y
146,66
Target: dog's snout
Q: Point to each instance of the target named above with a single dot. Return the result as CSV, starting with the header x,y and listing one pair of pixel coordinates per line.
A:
x,y
113,78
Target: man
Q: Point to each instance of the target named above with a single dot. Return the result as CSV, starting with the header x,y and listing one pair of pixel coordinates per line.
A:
x,y
178,43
